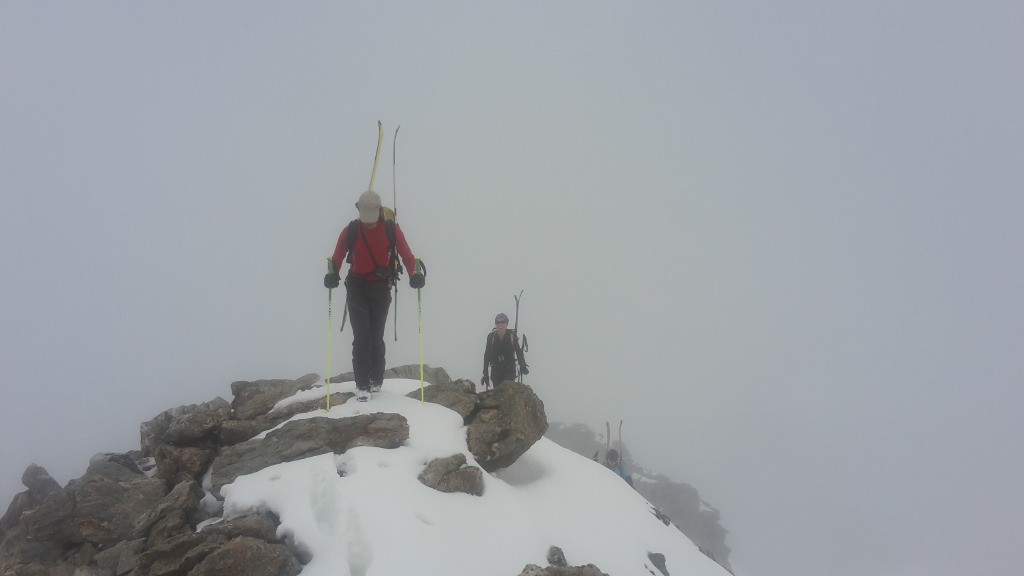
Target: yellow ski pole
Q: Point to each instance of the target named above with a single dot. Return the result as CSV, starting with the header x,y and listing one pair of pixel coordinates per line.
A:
x,y
330,269
419,306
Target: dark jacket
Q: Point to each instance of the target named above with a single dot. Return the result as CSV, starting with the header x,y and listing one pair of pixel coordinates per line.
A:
x,y
501,354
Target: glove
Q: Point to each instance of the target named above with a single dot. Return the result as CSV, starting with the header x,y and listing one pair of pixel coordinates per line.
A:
x,y
417,280
331,280
524,369
485,381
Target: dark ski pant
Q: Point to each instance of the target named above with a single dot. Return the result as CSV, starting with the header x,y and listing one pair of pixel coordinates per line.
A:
x,y
500,373
368,304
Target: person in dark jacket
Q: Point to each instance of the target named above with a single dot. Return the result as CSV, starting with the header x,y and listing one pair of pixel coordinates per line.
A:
x,y
501,353
371,275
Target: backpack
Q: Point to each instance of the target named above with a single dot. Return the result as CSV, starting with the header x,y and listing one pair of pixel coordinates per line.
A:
x,y
394,265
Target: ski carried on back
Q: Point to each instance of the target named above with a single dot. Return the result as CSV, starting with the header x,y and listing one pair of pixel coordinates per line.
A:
x,y
373,177
515,331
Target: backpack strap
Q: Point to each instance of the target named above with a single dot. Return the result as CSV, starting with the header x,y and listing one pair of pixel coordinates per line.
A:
x,y
353,231
394,266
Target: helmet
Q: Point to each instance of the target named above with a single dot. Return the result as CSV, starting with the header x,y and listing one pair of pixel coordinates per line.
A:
x,y
501,318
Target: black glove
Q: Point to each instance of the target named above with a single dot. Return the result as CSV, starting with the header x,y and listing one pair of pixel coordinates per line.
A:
x,y
524,369
331,280
417,280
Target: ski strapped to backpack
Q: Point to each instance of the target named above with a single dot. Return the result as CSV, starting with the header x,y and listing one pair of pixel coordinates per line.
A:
x,y
515,331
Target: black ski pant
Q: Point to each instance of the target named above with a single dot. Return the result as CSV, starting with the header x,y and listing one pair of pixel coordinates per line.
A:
x,y
501,373
368,303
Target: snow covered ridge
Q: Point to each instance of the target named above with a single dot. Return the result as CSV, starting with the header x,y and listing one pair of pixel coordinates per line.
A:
x,y
680,502
393,486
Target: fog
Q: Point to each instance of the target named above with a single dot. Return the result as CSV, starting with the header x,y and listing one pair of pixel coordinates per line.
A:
x,y
782,243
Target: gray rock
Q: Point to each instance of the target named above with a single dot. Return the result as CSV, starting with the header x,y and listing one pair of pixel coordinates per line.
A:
x,y
192,461
121,558
192,425
431,375
18,549
170,516
509,421
658,560
310,437
236,431
587,570
40,486
556,557
245,556
177,555
21,503
39,482
451,475
252,399
99,508
459,396
101,466
255,525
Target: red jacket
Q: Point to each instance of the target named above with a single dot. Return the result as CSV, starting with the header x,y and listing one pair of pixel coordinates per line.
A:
x,y
377,239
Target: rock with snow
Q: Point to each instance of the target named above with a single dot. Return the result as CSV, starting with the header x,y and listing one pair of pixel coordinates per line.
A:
x,y
252,399
305,438
235,431
245,545
452,475
458,395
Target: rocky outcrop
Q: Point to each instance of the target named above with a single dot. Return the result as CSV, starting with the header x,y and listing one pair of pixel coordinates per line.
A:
x,y
501,423
558,566
141,513
40,486
252,399
509,419
246,545
100,508
193,425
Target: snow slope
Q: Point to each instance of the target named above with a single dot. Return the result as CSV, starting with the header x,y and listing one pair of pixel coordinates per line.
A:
x,y
364,513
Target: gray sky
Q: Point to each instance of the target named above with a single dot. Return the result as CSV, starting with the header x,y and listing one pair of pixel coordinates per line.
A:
x,y
781,241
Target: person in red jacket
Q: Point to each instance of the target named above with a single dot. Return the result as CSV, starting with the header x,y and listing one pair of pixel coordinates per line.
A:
x,y
372,245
